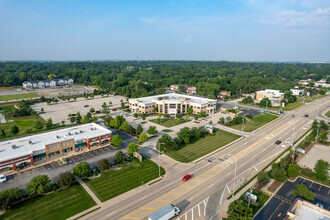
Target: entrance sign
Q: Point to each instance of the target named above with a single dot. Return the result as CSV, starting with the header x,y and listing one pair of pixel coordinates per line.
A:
x,y
209,128
136,154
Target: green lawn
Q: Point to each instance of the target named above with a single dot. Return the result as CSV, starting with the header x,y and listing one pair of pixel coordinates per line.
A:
x,y
291,106
169,122
312,98
58,205
18,96
327,114
115,182
255,122
203,146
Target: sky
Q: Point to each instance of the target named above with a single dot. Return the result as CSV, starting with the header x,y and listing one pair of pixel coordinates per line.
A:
x,y
232,30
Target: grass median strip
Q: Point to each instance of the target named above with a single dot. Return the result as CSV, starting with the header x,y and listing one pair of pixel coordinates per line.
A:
x,y
57,205
169,122
115,182
19,96
256,122
203,146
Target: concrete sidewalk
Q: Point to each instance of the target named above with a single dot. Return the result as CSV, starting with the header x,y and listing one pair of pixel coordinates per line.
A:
x,y
89,191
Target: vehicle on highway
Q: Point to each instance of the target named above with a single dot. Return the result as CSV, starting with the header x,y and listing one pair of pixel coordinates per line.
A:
x,y
278,142
97,111
86,106
292,116
302,114
165,213
114,109
3,178
281,112
306,116
186,177
73,114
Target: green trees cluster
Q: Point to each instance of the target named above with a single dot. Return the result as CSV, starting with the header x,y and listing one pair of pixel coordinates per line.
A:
x,y
116,141
81,169
303,192
247,100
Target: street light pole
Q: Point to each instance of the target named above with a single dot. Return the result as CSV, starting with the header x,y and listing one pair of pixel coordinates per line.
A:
x,y
293,153
243,127
235,174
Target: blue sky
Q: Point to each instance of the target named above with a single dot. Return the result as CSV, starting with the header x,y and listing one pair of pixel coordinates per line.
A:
x,y
235,30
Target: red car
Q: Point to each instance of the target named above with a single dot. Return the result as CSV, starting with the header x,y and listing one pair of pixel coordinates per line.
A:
x,y
186,177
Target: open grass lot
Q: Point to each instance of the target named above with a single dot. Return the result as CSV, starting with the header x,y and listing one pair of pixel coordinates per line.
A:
x,y
327,114
58,205
18,96
203,146
291,106
115,182
169,122
24,123
312,98
255,122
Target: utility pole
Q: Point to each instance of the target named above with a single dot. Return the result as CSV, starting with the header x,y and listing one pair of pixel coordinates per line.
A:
x,y
293,153
235,174
317,134
243,126
266,105
159,159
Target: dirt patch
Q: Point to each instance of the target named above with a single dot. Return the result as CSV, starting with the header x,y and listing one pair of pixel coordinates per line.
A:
x,y
309,147
274,186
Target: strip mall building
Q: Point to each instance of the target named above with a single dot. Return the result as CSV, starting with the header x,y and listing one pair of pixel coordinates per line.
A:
x,y
42,146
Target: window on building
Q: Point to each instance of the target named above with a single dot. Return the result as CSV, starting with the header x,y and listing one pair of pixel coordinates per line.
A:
x,y
53,146
56,145
172,106
161,108
49,148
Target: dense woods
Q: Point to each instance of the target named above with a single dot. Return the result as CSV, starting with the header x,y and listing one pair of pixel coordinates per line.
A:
x,y
141,78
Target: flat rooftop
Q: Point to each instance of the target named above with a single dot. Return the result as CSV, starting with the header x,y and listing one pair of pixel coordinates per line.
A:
x,y
172,97
11,149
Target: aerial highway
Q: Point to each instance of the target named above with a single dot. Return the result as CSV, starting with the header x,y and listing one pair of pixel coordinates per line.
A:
x,y
210,178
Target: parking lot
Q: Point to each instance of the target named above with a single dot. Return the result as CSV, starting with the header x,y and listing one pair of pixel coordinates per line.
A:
x,y
280,203
53,169
59,111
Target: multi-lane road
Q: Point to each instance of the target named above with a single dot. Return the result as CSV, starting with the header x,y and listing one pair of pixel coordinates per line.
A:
x,y
209,179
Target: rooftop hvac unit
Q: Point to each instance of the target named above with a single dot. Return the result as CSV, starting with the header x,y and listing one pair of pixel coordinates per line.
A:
x,y
81,131
13,146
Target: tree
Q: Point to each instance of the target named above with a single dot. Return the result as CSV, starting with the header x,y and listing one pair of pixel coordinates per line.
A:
x,y
165,140
293,170
38,185
10,196
178,115
81,169
279,174
155,109
49,123
92,110
143,117
211,122
118,121
39,125
84,120
185,134
136,115
321,170
248,100
190,110
116,141
265,102
78,117
104,164
187,116
94,118
167,116
42,110
284,162
72,119
152,130
14,129
124,126
222,120
110,103
303,192
42,99
202,114
132,147
143,137
139,130
63,122
119,157
263,178
65,179
3,133
104,105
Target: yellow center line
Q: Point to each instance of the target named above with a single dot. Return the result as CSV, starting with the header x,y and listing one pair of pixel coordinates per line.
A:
x,y
276,209
148,208
160,200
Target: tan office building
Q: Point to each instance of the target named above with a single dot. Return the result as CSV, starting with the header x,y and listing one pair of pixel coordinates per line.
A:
x,y
172,104
275,96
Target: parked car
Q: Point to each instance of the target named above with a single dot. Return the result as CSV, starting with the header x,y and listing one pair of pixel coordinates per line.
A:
x,y
98,112
186,177
306,116
86,106
302,114
3,178
114,109
278,142
73,114
292,116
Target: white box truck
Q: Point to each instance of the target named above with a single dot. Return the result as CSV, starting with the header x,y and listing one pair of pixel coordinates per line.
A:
x,y
165,213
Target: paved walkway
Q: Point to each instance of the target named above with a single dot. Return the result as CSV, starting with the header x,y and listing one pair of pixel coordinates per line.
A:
x,y
89,191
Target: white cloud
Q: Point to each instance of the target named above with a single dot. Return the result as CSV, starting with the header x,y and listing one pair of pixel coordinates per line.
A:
x,y
148,20
187,39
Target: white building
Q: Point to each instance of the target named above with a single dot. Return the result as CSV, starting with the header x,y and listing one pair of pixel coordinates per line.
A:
x,y
297,91
39,84
275,96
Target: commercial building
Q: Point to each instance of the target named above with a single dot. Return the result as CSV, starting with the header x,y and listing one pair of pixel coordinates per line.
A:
x,y
42,146
48,83
275,96
174,87
297,91
172,104
303,210
191,90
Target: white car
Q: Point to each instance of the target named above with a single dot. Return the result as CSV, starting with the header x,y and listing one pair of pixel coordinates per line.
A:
x,y
3,178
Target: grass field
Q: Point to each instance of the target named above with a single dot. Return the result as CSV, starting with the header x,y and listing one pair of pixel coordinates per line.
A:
x,y
58,205
327,114
169,122
115,182
255,122
203,146
312,98
18,96
291,106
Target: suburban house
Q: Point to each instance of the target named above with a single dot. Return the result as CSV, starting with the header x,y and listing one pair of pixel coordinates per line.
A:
x,y
172,104
297,91
323,83
54,83
42,146
191,90
275,96
305,82
222,94
174,87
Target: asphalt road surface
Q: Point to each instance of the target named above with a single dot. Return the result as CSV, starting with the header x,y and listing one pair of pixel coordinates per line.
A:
x,y
209,179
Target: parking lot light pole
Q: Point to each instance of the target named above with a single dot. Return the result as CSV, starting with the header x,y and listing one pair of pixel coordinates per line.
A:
x,y
235,174
159,158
